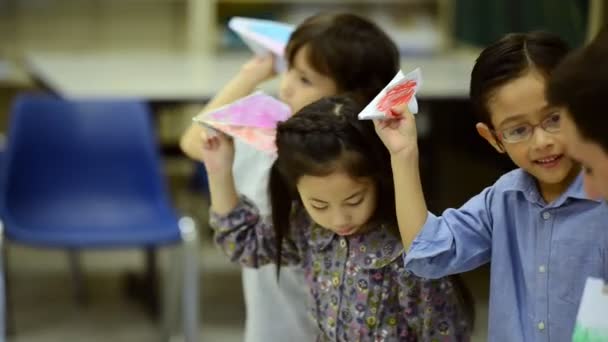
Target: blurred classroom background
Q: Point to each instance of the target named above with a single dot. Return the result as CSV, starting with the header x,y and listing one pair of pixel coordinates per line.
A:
x,y
174,55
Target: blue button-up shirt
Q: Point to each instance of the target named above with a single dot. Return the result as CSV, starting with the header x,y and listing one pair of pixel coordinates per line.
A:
x,y
540,254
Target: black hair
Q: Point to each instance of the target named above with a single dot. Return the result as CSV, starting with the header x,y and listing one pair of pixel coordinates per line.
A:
x,y
322,138
509,58
580,84
353,51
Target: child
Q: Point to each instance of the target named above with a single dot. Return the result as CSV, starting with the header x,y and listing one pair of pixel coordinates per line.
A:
x,y
535,224
333,215
327,54
580,84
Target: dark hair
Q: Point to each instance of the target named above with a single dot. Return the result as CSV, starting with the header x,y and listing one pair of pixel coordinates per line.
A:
x,y
580,83
321,138
509,58
353,51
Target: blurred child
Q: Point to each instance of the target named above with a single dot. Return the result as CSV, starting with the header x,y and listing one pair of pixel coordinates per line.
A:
x,y
327,54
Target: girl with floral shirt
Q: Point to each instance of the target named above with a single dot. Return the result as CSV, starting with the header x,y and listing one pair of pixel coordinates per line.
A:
x,y
333,214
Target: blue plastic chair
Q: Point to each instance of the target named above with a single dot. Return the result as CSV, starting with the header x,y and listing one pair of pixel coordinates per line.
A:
x,y
86,175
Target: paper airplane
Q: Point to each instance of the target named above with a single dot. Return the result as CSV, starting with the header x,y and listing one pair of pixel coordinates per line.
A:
x,y
264,37
401,89
252,119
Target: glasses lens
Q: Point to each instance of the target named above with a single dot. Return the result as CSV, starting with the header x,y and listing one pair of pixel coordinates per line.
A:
x,y
552,123
517,133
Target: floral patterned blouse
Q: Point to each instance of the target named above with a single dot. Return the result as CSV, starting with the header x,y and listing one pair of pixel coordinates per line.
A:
x,y
359,288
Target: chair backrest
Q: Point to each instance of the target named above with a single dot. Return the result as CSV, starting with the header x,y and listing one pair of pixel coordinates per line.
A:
x,y
71,152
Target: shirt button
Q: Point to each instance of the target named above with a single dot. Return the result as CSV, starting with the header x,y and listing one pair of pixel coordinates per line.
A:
x,y
542,269
546,215
342,243
541,326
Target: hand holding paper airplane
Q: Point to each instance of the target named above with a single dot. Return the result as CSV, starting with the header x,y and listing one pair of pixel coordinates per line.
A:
x,y
401,89
392,111
253,119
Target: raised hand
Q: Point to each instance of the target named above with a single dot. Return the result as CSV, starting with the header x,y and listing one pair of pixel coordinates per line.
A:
x,y
257,70
218,152
398,133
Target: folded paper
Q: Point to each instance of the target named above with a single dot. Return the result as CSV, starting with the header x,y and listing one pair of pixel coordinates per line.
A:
x,y
253,119
401,89
263,37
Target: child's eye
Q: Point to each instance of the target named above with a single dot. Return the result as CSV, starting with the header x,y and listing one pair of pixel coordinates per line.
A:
x,y
553,120
355,203
319,207
518,131
555,117
305,80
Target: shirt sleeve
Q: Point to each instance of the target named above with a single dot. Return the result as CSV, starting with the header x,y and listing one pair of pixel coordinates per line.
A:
x,y
248,239
458,241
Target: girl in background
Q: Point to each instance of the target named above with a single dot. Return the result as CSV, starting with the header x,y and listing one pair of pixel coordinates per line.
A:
x,y
327,54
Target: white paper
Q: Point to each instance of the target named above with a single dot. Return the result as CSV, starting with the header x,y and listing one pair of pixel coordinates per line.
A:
x,y
371,111
592,320
252,119
272,41
209,131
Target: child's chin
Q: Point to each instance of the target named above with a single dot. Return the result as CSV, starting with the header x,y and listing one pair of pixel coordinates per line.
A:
x,y
553,176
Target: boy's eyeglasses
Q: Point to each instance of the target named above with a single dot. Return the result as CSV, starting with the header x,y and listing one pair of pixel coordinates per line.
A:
x,y
523,132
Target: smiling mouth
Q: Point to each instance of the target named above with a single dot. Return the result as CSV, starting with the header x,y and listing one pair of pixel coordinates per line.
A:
x,y
550,161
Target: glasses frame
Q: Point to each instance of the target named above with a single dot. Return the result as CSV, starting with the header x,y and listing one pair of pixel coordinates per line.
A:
x,y
499,135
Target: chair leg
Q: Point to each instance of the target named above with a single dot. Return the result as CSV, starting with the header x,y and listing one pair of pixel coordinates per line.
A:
x,y
151,283
80,291
10,328
171,293
3,293
144,287
190,294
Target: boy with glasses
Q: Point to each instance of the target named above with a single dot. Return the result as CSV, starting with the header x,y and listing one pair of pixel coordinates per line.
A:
x,y
535,225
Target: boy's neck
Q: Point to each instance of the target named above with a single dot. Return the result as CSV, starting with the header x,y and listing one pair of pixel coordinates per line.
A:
x,y
551,192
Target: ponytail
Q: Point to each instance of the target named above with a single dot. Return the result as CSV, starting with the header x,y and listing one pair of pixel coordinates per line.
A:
x,y
281,201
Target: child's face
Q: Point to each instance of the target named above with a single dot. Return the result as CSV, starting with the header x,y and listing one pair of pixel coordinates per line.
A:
x,y
302,85
519,107
338,202
591,155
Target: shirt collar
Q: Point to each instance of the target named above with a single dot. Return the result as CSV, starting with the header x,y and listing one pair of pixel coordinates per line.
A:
x,y
577,189
525,183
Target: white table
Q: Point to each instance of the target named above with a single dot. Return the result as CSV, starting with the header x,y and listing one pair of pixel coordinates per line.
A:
x,y
12,74
179,78
183,77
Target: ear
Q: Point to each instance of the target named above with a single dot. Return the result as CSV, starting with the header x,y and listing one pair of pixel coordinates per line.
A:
x,y
485,132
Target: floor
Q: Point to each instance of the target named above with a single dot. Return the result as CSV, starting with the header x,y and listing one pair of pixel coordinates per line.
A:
x,y
45,308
